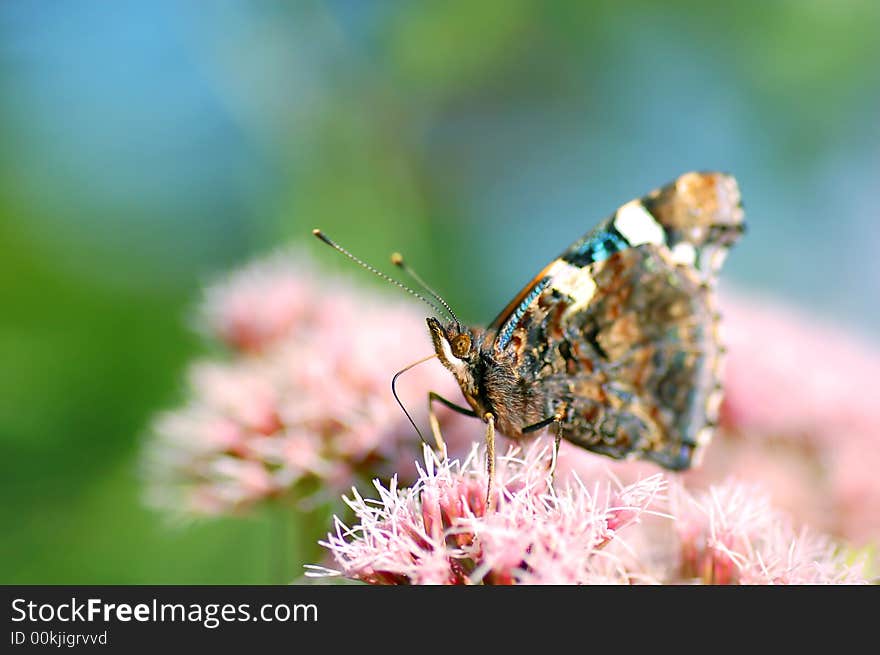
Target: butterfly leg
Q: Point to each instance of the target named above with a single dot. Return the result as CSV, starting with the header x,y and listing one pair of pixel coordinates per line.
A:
x,y
491,500
435,424
556,420
556,441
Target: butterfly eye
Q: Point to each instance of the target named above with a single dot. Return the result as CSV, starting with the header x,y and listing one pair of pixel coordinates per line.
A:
x,y
461,346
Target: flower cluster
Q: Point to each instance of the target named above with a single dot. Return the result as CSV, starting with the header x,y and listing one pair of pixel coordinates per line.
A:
x,y
300,401
731,534
569,532
439,532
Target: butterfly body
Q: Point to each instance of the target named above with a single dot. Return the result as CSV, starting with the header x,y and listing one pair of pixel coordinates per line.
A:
x,y
616,341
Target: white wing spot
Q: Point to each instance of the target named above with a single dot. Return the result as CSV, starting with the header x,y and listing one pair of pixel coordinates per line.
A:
x,y
575,282
704,436
713,404
684,253
635,223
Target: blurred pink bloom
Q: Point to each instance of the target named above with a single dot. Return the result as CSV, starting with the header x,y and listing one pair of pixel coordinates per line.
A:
x,y
303,402
259,305
799,416
730,534
790,374
438,532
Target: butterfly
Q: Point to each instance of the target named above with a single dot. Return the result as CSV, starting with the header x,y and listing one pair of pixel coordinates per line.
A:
x,y
614,345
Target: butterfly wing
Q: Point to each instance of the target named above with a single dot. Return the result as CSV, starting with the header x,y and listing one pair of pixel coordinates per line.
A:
x,y
619,333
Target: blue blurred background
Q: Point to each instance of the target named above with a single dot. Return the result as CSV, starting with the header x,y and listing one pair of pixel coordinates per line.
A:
x,y
145,147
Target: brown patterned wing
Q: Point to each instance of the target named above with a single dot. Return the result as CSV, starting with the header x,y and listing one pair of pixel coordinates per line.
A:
x,y
620,333
643,364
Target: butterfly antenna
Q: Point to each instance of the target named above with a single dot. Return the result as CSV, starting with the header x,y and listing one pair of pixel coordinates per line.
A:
x,y
323,237
397,398
397,260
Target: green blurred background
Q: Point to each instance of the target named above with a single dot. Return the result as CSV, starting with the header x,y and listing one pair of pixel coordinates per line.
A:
x,y
147,146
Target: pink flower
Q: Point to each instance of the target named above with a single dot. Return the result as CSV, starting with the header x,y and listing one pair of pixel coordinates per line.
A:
x,y
799,417
790,374
438,530
303,401
570,532
260,304
730,534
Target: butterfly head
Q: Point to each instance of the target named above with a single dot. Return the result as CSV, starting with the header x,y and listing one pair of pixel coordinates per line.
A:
x,y
456,347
